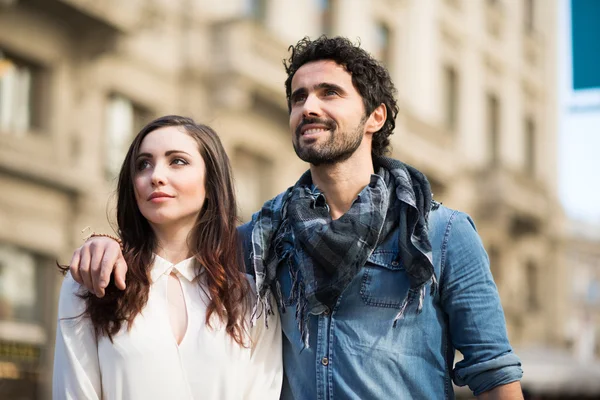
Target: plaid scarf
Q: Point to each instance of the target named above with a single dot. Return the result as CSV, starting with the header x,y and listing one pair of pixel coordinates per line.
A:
x,y
324,255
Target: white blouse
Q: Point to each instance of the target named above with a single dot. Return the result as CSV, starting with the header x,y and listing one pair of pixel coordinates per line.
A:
x,y
147,363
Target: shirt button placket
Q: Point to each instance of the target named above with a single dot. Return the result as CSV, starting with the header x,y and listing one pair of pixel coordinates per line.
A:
x,y
323,373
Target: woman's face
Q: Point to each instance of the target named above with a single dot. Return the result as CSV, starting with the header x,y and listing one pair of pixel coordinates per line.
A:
x,y
169,180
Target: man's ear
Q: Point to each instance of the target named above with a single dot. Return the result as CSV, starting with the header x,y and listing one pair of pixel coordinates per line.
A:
x,y
376,119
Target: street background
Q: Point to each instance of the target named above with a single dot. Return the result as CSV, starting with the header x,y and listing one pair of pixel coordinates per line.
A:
x,y
499,107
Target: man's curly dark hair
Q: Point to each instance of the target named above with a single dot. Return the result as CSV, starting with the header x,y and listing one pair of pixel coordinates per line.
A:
x,y
370,78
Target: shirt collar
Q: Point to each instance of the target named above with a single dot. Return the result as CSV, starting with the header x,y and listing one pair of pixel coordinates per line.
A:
x,y
162,267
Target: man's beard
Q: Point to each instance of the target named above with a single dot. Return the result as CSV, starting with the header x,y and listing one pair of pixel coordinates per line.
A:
x,y
337,148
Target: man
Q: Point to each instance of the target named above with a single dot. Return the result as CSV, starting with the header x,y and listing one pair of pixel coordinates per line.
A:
x,y
377,284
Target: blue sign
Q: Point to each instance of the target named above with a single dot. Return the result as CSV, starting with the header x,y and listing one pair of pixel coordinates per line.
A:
x,y
585,34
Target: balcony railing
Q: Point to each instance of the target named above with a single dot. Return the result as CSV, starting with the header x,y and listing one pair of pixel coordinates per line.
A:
x,y
109,15
502,190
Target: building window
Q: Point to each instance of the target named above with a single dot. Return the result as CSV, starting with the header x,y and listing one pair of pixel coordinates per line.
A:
x,y
257,9
451,98
493,127
124,119
24,289
19,95
383,37
529,16
530,146
326,15
18,285
533,286
252,180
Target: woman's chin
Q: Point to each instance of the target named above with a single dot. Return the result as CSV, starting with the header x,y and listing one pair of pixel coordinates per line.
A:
x,y
164,221
160,220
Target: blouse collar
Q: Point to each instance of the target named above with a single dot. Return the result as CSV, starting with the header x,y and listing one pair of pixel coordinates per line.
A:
x,y
162,267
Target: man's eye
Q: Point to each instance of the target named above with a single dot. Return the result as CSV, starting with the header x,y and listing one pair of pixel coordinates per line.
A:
x,y
299,98
331,92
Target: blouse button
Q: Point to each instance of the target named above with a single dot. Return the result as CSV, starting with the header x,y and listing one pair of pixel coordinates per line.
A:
x,y
325,361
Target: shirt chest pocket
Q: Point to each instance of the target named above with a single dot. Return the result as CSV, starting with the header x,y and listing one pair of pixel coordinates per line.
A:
x,y
384,281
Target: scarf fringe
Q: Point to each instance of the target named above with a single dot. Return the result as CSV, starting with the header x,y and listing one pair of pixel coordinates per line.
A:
x,y
303,322
434,285
421,298
409,297
297,294
279,298
400,314
263,306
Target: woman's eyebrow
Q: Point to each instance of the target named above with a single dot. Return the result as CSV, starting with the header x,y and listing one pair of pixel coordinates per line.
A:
x,y
167,153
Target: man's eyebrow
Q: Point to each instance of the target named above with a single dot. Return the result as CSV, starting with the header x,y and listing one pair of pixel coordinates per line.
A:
x,y
333,86
319,86
167,153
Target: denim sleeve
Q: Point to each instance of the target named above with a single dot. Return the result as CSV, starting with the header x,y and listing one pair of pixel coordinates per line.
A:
x,y
470,298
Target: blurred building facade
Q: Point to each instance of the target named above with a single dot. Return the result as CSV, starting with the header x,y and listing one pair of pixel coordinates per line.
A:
x,y
78,78
582,251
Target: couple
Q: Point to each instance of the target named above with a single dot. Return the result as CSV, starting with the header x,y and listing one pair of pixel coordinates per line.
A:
x,y
372,283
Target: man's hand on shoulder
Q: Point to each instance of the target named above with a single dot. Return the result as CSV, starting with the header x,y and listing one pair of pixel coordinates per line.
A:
x,y
93,263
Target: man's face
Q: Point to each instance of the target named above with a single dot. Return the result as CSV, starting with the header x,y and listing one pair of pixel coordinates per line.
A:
x,y
327,117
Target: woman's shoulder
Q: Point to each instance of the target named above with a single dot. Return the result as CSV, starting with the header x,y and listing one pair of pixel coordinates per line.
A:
x,y
71,304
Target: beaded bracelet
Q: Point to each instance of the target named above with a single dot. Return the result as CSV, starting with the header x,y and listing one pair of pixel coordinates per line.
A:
x,y
116,239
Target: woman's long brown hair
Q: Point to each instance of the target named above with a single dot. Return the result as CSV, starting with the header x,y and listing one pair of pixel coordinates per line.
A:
x,y
213,241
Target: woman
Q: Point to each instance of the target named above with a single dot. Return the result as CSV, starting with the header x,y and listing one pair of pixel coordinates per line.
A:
x,y
181,328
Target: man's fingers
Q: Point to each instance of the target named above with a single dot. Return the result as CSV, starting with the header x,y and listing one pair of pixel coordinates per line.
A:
x,y
74,266
107,265
84,268
96,255
120,272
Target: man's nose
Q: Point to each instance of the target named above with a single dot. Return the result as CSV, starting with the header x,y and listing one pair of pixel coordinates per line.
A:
x,y
311,107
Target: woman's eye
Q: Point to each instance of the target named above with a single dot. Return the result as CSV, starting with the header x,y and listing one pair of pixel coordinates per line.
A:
x,y
142,165
179,161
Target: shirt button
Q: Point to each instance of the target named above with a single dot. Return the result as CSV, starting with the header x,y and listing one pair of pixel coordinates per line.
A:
x,y
326,312
325,361
395,263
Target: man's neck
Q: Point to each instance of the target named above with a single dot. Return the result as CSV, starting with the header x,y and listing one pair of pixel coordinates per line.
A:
x,y
342,182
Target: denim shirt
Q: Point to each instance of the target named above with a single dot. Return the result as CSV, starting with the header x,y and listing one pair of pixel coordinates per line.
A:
x,y
355,352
